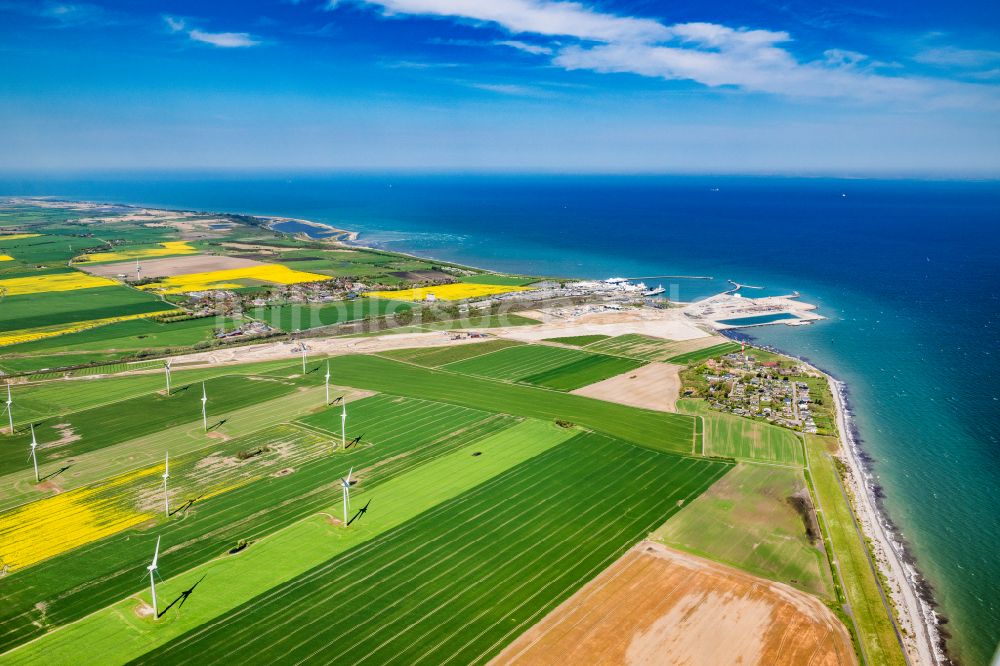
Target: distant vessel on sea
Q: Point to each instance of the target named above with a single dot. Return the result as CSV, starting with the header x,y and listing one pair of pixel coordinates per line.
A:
x,y
654,292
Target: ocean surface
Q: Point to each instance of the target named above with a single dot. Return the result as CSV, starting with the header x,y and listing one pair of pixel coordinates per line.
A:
x,y
906,271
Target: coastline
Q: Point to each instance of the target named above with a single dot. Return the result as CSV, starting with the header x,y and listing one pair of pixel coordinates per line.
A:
x,y
911,595
914,606
912,600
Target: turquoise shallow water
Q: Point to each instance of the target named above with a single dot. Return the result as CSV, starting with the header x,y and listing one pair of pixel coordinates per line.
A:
x,y
907,273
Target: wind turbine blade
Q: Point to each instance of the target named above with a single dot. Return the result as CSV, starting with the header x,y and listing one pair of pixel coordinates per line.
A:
x,y
156,553
349,476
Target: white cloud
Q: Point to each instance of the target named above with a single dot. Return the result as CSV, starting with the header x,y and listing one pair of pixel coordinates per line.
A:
x,y
507,89
956,57
541,17
174,24
707,53
227,40
533,49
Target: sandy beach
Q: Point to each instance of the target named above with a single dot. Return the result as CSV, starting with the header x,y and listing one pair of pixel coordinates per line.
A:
x,y
915,617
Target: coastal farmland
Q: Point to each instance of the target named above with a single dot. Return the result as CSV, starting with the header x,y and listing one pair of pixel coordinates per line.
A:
x,y
735,437
544,365
656,605
757,518
493,473
570,542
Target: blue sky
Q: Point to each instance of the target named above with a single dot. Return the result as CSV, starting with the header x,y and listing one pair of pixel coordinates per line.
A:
x,y
755,86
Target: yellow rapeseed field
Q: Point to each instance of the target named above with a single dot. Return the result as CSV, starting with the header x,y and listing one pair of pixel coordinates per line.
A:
x,y
273,273
38,284
447,292
11,237
54,525
6,257
168,248
29,334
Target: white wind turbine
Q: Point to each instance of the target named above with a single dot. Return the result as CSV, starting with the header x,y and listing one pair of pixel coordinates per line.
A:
x,y
10,413
166,372
303,358
327,382
152,571
343,423
204,412
166,475
138,271
346,485
34,455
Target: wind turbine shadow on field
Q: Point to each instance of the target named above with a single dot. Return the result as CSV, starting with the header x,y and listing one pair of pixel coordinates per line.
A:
x,y
187,505
181,598
218,424
180,390
362,511
55,473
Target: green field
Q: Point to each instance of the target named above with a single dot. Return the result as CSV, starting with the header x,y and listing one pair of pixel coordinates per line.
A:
x,y
657,430
491,557
400,436
733,436
747,520
126,336
579,340
295,317
433,357
69,435
864,603
647,347
67,307
706,353
583,372
542,365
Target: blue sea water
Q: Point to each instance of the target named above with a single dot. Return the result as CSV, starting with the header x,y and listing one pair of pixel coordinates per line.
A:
x,y
907,273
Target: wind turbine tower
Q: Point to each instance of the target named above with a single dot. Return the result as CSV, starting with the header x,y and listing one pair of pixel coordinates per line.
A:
x,y
327,382
204,412
303,358
152,581
346,485
166,475
34,454
166,372
343,424
10,413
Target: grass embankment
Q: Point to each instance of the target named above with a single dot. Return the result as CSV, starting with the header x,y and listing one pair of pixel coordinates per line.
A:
x,y
733,436
749,519
864,602
225,583
648,348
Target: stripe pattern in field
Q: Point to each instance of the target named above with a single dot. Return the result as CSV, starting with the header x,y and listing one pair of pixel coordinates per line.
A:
x,y
401,434
433,357
545,365
734,436
460,581
649,348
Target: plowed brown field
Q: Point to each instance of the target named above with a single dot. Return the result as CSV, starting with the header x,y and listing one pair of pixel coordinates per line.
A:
x,y
660,606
